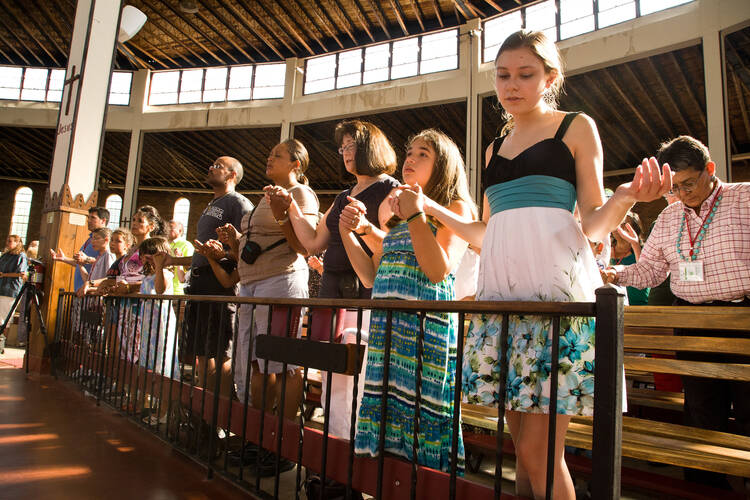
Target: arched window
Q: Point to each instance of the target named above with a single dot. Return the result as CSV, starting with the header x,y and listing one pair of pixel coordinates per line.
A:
x,y
182,211
114,205
21,211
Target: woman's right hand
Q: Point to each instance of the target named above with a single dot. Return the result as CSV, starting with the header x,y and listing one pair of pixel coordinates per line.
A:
x,y
353,217
228,234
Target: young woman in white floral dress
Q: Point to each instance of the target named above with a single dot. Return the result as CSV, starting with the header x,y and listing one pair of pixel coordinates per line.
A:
x,y
546,162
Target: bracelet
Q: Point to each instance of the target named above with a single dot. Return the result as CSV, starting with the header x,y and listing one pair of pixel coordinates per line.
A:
x,y
414,216
284,220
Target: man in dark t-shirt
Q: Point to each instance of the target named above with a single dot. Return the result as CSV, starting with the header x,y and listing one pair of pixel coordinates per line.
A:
x,y
208,326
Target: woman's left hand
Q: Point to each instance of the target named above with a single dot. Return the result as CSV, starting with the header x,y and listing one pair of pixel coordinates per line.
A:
x,y
627,232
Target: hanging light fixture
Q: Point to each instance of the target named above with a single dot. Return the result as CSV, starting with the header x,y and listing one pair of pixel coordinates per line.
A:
x,y
188,6
131,22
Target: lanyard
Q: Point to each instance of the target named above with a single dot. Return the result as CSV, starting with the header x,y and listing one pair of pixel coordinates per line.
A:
x,y
703,223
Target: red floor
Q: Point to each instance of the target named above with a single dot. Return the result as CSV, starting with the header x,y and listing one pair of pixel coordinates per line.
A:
x,y
57,444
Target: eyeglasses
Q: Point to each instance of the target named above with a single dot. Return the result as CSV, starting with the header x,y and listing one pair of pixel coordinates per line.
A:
x,y
215,166
687,186
349,147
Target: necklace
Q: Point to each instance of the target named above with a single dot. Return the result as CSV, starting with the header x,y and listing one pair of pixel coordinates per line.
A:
x,y
695,242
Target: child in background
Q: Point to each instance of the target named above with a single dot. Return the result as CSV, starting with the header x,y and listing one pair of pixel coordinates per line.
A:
x,y
100,241
158,341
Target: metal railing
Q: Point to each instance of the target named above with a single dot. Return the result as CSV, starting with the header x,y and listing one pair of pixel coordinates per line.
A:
x,y
132,353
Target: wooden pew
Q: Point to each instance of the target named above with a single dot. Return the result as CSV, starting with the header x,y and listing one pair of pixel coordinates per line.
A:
x,y
649,440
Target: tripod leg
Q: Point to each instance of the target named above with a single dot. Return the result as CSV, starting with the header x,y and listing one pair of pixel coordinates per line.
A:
x,y
13,309
43,329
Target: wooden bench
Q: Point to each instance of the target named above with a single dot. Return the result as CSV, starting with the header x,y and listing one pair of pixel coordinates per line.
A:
x,y
649,440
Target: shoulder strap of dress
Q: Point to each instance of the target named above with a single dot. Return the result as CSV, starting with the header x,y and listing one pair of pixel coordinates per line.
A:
x,y
496,145
565,124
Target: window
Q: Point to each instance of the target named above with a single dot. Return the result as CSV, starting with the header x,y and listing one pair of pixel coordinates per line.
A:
x,y
182,211
21,212
439,52
55,88
269,81
576,17
615,11
34,84
240,83
164,86
114,205
119,90
497,30
413,56
220,84
541,17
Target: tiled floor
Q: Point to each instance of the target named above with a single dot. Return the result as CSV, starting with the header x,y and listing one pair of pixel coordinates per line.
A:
x,y
57,444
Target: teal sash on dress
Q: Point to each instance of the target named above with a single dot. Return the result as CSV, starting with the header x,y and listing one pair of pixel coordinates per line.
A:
x,y
532,191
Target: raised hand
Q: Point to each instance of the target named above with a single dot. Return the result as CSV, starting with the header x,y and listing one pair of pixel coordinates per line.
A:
x,y
166,258
353,216
627,232
158,260
211,249
60,255
649,182
410,200
279,199
228,234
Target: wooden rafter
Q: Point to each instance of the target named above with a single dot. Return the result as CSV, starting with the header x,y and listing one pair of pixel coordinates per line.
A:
x,y
153,22
670,97
438,15
201,32
256,32
20,42
396,6
605,103
614,85
300,28
322,24
285,26
635,80
365,22
63,53
344,25
678,63
380,16
418,13
228,25
13,48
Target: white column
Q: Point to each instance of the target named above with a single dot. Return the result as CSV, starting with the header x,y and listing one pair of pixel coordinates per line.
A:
x,y
714,76
293,81
471,50
130,196
80,122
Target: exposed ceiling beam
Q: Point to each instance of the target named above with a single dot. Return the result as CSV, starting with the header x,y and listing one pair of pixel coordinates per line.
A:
x,y
677,110
344,25
396,6
322,24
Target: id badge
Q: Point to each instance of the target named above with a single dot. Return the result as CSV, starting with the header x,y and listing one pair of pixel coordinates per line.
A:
x,y
691,271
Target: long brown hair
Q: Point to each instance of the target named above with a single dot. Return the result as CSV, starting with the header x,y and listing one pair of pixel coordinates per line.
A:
x,y
374,155
151,246
546,50
447,181
298,152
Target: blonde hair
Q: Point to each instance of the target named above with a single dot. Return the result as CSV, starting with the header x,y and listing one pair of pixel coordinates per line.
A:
x,y
546,50
19,248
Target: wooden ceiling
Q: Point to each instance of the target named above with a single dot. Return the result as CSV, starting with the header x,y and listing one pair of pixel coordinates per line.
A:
x,y
225,32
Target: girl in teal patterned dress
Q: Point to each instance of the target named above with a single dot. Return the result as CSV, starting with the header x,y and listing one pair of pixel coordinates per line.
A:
x,y
414,263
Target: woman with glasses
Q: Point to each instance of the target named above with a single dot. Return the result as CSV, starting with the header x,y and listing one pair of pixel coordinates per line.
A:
x,y
368,156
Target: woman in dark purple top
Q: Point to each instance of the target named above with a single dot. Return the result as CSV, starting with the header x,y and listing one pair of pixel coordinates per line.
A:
x,y
368,156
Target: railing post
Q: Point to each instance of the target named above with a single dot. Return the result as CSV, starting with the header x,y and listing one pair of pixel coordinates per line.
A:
x,y
608,392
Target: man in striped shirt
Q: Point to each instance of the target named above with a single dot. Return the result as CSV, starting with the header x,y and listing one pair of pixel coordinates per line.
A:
x,y
703,241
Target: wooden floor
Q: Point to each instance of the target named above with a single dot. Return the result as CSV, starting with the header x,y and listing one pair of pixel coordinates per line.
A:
x,y
55,443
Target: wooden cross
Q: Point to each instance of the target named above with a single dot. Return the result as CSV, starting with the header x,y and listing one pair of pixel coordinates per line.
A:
x,y
70,81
